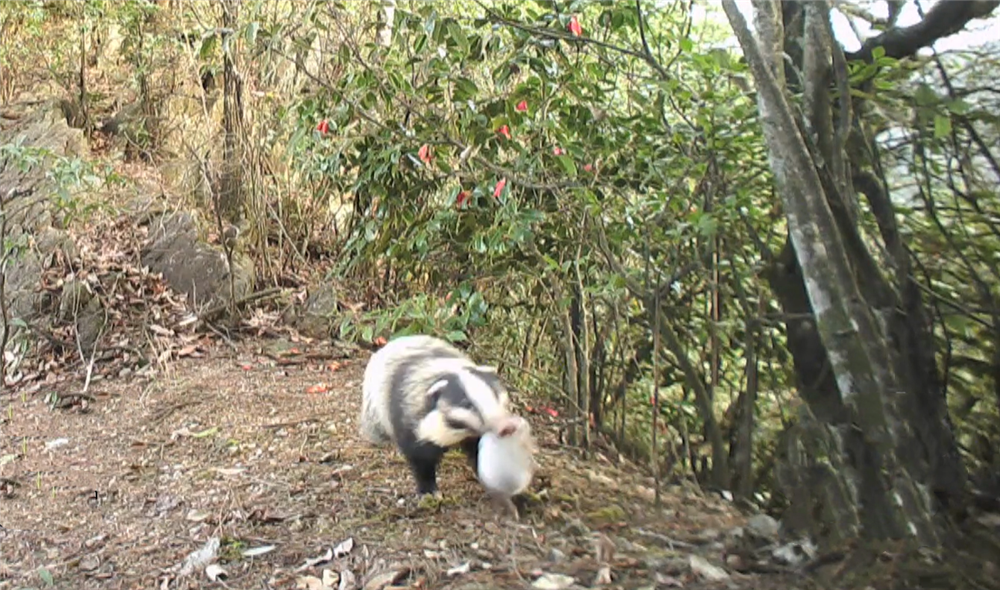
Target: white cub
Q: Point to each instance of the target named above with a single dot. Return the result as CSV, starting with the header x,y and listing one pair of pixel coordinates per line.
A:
x,y
507,464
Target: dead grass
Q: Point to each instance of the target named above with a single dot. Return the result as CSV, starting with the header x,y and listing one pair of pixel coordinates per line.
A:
x,y
234,446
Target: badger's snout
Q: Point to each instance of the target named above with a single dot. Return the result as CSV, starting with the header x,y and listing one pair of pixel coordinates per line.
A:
x,y
507,426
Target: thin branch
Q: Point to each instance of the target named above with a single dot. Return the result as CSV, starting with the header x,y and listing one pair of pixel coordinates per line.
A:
x,y
945,18
556,34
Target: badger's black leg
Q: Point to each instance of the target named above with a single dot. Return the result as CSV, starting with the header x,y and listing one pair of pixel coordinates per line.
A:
x,y
470,447
425,472
424,460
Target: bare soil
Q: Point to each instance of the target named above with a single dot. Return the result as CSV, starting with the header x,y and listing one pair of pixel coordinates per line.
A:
x,y
117,491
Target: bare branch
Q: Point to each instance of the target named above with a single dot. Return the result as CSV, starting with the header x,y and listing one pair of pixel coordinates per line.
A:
x,y
944,19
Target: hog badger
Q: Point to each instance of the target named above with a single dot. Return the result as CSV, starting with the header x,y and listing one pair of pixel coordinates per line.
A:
x,y
427,396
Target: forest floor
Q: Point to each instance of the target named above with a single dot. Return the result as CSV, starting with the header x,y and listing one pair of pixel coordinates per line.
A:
x,y
255,444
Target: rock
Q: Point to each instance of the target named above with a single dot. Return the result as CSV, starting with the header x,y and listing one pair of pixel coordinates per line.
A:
x,y
79,306
763,527
29,194
319,316
794,554
702,568
189,265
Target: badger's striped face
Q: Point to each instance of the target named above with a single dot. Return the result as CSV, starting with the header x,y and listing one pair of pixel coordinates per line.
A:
x,y
468,403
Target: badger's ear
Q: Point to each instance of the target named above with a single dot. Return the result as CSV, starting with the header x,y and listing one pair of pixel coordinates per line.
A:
x,y
434,391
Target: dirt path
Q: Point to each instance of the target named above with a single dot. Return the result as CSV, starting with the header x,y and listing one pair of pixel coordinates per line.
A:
x,y
235,447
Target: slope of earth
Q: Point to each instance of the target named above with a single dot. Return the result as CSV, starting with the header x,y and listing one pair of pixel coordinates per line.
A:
x,y
261,452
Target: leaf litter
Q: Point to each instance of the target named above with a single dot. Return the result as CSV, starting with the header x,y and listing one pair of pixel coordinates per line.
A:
x,y
262,463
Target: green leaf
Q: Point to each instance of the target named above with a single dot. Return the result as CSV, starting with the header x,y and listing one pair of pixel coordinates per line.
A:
x,y
46,576
346,328
686,45
567,164
465,89
942,126
456,336
208,45
252,30
959,106
925,95
458,36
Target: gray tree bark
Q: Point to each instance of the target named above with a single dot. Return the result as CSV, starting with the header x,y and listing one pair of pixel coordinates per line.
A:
x,y
876,427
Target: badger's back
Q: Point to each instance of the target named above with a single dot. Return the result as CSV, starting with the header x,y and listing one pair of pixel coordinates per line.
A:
x,y
397,380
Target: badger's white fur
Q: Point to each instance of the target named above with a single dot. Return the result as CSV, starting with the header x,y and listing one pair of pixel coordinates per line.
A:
x,y
507,464
427,396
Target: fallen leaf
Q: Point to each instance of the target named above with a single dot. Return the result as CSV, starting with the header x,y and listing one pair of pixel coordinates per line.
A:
x,y
89,563
603,576
460,569
383,580
347,580
330,578
318,388
201,557
310,583
94,541
668,581
55,444
311,561
161,330
344,547
215,572
255,551
46,576
189,350
553,582
196,515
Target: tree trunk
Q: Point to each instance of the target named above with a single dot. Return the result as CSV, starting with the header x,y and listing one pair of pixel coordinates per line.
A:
x,y
855,358
713,432
230,206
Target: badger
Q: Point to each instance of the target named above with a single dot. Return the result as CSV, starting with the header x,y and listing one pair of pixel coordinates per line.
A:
x,y
428,397
506,465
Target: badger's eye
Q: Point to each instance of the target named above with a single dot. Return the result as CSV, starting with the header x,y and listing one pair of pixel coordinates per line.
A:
x,y
457,424
463,419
